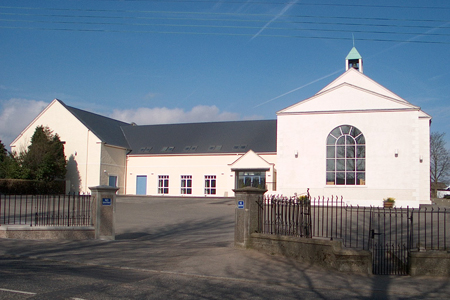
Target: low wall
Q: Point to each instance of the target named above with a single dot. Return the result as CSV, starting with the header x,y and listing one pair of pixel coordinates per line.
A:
x,y
324,253
429,263
27,232
103,222
443,203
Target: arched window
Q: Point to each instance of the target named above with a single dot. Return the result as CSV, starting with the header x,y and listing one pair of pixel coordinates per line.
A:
x,y
346,156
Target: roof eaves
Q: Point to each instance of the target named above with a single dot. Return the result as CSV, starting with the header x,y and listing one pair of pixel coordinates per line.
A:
x,y
404,102
75,112
37,117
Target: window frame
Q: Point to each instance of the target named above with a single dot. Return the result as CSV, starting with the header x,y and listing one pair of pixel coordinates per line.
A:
x,y
115,178
251,177
210,184
345,157
186,185
163,184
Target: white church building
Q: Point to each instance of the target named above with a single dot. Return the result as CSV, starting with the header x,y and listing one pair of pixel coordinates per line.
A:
x,y
354,138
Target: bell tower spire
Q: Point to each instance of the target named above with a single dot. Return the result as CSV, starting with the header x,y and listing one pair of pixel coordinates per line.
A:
x,y
354,60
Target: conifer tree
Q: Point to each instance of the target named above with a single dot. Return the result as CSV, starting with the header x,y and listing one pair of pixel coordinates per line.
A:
x,y
9,165
45,159
3,158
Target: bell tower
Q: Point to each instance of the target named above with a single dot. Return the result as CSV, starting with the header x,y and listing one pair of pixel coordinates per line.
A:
x,y
354,60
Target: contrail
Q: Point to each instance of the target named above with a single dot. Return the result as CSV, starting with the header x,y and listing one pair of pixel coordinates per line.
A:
x,y
314,81
276,17
412,39
340,70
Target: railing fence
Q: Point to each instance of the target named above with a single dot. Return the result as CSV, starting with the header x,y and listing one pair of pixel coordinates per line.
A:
x,y
285,216
389,233
357,227
46,210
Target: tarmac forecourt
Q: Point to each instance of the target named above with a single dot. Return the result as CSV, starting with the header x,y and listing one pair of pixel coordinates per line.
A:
x,y
191,239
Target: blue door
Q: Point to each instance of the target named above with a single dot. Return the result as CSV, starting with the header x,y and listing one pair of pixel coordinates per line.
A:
x,y
141,185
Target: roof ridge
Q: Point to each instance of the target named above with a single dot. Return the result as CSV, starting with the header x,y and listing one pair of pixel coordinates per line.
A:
x,y
209,122
195,138
110,134
92,113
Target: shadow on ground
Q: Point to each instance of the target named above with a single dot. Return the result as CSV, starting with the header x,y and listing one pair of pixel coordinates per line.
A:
x,y
194,240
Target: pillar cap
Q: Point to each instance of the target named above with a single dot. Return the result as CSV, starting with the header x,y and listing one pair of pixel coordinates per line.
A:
x,y
250,189
104,187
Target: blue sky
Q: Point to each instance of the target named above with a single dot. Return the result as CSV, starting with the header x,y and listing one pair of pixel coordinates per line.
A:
x,y
187,61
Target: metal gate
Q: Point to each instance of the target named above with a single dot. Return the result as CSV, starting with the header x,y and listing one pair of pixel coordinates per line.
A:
x,y
389,240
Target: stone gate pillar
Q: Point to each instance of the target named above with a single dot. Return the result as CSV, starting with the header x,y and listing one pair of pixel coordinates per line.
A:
x,y
104,211
246,214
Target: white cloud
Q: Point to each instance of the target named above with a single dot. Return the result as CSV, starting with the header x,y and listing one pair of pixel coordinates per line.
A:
x,y
150,96
163,115
15,115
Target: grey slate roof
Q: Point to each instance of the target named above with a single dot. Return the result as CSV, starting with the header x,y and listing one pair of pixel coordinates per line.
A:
x,y
213,137
185,138
106,129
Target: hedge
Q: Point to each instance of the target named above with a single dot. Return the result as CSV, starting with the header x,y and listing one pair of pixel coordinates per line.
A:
x,y
31,187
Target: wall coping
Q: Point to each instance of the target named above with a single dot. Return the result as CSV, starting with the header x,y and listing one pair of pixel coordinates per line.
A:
x,y
336,244
46,228
430,254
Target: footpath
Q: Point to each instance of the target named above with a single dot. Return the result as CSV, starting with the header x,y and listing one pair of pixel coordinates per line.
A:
x,y
194,238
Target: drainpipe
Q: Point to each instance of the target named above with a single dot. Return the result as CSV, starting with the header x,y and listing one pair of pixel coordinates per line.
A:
x,y
125,189
87,161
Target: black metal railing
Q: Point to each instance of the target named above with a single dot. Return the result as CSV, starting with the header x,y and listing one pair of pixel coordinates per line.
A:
x,y
46,210
390,259
285,216
357,227
430,228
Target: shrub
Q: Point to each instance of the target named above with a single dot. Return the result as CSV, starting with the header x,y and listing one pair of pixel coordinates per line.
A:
x,y
303,198
31,187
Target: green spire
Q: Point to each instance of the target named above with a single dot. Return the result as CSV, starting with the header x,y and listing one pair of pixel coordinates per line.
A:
x,y
353,54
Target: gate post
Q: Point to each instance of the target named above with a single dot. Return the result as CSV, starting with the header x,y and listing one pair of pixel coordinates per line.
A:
x,y
104,211
246,214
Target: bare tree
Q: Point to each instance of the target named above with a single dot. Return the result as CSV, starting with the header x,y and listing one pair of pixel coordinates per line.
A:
x,y
439,160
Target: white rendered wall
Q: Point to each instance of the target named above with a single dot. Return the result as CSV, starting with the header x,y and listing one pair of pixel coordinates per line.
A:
x,y
424,159
404,177
196,165
82,147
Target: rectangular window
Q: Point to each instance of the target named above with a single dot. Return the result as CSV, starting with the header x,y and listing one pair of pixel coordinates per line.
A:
x,y
112,181
186,184
255,179
163,184
210,184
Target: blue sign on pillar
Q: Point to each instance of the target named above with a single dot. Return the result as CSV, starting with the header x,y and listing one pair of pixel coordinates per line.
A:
x,y
241,204
106,201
